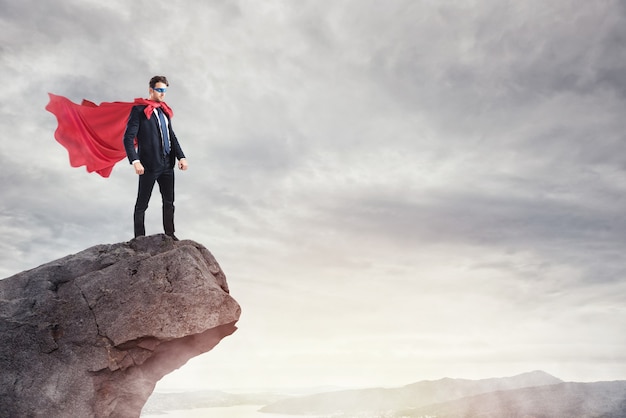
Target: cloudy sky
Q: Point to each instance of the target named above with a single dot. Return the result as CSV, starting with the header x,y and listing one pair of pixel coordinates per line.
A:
x,y
396,190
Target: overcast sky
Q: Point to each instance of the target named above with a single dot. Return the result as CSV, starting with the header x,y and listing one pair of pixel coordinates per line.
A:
x,y
396,190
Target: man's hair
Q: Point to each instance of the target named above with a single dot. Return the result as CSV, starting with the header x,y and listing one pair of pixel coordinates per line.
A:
x,y
158,79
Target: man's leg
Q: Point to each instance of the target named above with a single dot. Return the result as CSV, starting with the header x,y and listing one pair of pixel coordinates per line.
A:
x,y
166,186
146,184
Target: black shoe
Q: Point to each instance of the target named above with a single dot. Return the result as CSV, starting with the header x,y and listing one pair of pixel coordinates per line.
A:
x,y
172,236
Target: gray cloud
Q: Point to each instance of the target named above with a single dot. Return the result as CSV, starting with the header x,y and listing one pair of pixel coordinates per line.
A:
x,y
347,158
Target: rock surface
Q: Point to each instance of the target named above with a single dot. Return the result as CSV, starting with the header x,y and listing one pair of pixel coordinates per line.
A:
x,y
90,334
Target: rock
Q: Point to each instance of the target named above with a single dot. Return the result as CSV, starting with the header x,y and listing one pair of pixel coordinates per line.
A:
x,y
90,334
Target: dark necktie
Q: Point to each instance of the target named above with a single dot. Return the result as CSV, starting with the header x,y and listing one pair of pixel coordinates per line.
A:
x,y
164,135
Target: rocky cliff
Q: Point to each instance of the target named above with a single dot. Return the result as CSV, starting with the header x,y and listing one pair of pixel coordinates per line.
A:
x,y
89,335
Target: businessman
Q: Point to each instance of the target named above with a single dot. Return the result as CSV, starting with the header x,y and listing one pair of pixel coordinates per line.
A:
x,y
154,153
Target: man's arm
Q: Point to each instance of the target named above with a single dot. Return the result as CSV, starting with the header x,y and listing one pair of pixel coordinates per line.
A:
x,y
178,151
132,127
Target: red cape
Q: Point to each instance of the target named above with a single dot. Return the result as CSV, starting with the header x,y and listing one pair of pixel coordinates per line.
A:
x,y
93,135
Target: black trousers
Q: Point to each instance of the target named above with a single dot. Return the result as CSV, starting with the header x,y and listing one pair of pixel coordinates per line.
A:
x,y
164,176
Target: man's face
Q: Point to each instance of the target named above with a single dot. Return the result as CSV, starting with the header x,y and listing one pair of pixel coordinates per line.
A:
x,y
157,95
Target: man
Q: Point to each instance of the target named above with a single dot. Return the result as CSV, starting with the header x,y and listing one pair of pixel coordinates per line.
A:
x,y
155,154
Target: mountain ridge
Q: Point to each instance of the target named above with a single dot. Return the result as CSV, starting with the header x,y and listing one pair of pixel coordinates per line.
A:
x,y
566,399
547,400
413,396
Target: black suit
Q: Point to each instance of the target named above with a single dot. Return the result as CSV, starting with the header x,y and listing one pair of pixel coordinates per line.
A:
x,y
158,166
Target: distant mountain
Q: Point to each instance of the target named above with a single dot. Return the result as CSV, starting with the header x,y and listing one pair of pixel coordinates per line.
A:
x,y
563,400
412,396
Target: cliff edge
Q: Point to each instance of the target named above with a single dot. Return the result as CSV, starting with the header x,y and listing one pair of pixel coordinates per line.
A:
x,y
90,334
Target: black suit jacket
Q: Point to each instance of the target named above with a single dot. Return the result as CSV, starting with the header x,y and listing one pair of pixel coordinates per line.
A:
x,y
149,146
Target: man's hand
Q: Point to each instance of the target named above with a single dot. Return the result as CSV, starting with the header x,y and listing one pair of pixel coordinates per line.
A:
x,y
182,164
138,167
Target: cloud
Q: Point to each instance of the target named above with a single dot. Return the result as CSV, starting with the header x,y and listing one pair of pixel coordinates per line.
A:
x,y
398,178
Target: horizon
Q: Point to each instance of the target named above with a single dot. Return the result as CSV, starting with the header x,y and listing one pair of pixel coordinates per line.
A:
x,y
321,389
395,191
305,390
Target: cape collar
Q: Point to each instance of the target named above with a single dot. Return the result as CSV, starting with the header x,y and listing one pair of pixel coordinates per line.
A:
x,y
151,105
